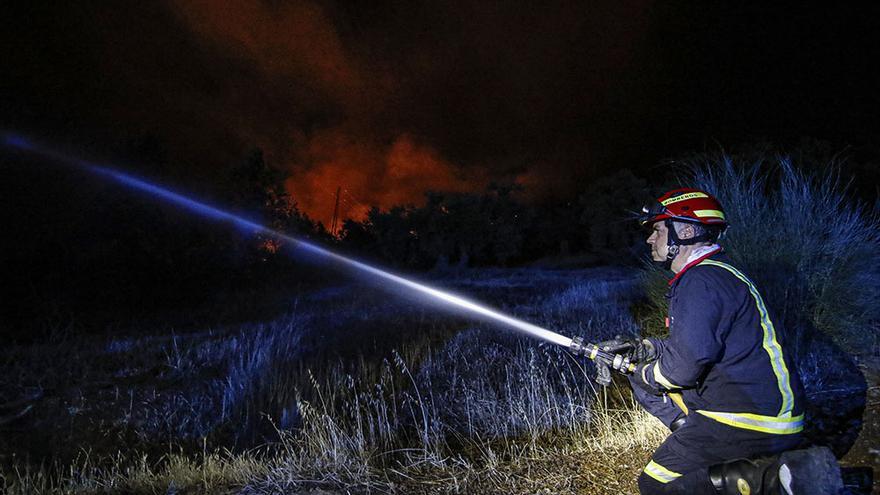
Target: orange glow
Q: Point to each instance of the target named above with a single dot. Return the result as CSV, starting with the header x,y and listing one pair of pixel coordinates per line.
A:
x,y
343,100
270,246
297,43
372,176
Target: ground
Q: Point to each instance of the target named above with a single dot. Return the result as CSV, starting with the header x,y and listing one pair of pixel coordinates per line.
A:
x,y
866,450
346,390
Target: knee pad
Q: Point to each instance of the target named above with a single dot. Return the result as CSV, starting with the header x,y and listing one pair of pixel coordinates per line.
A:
x,y
794,472
746,477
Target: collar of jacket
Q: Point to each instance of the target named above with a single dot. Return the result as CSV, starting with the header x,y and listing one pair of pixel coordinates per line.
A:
x,y
695,258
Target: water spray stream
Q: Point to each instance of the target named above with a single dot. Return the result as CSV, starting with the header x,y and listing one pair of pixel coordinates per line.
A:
x,y
214,213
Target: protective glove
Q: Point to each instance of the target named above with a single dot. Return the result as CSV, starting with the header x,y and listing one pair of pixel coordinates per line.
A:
x,y
635,351
638,351
643,352
636,380
618,345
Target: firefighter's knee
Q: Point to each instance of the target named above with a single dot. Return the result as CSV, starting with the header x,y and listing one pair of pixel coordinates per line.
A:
x,y
649,486
695,482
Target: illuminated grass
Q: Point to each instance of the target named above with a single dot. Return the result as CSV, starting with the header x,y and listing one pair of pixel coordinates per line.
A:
x,y
455,409
604,457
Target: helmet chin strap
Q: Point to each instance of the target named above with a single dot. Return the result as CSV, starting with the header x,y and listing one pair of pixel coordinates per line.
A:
x,y
674,243
671,253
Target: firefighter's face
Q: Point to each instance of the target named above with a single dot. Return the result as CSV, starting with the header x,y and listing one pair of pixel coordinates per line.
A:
x,y
657,241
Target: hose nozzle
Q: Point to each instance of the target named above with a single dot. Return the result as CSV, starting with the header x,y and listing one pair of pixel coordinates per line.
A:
x,y
617,362
577,346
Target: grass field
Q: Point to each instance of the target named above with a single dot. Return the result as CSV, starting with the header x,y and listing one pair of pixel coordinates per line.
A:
x,y
349,391
352,390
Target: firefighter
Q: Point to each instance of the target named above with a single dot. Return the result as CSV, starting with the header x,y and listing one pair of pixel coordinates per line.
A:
x,y
723,381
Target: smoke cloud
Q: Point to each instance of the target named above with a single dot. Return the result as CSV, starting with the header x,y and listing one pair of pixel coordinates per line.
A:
x,y
383,99
355,149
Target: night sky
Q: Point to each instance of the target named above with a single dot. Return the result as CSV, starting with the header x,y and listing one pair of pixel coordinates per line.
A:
x,y
390,99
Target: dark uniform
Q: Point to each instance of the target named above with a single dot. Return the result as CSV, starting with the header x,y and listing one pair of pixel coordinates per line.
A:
x,y
725,356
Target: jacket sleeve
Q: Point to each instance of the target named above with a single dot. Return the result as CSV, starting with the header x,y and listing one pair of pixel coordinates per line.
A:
x,y
694,341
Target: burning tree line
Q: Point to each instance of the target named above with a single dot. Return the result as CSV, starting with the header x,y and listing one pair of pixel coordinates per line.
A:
x,y
493,227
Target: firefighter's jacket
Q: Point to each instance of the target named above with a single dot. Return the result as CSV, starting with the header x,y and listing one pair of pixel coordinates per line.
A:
x,y
725,353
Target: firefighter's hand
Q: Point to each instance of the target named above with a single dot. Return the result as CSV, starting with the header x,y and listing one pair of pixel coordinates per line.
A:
x,y
643,352
618,345
637,379
638,351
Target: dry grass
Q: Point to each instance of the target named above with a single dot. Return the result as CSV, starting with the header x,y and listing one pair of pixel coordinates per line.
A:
x,y
477,412
604,456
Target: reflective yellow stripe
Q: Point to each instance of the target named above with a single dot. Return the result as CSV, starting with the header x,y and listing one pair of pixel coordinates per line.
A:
x,y
777,425
770,344
594,352
683,197
679,401
709,213
659,378
660,473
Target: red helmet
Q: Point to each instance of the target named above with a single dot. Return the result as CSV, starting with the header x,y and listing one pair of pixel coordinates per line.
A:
x,y
685,205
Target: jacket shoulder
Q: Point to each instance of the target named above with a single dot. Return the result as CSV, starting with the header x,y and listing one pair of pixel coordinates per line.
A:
x,y
712,274
707,271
